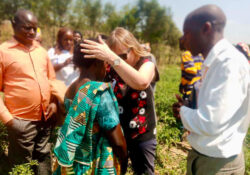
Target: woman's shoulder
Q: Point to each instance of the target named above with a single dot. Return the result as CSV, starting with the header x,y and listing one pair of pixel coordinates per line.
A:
x,y
95,86
145,59
150,58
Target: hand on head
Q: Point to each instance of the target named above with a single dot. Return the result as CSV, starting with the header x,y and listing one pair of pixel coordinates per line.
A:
x,y
97,50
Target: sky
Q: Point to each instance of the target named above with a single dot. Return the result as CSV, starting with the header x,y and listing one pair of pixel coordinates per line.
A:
x,y
237,13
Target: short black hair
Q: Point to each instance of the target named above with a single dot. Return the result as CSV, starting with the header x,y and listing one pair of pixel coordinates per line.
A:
x,y
104,37
19,15
78,57
76,31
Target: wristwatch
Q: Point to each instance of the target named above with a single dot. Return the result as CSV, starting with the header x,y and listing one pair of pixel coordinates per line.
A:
x,y
117,62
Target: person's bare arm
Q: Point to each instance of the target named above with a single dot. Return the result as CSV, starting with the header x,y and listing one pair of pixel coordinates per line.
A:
x,y
137,79
59,66
118,143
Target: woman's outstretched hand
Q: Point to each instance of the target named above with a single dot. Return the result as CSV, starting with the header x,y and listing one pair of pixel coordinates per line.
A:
x,y
99,50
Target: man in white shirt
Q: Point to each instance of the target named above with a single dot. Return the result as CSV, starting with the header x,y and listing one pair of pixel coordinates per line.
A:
x,y
219,124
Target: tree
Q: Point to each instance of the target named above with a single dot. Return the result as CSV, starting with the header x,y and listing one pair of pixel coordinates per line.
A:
x,y
156,23
130,20
9,7
76,17
111,19
93,12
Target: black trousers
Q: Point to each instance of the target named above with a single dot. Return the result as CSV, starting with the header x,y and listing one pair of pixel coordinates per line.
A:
x,y
28,140
142,156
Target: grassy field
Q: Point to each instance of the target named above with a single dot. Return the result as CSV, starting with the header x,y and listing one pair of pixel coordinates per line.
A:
x,y
171,149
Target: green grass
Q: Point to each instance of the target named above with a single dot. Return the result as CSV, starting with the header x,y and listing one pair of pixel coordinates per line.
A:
x,y
169,131
247,152
170,159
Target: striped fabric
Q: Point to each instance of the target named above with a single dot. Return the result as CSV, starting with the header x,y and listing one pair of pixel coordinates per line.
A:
x,y
190,72
81,144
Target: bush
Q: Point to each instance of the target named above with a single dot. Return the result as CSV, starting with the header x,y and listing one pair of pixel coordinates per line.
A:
x,y
24,169
3,138
169,130
247,152
165,54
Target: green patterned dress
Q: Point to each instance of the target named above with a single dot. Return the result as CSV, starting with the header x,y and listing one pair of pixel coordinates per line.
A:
x,y
81,144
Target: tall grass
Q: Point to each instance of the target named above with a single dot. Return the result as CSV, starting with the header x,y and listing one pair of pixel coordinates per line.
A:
x,y
165,54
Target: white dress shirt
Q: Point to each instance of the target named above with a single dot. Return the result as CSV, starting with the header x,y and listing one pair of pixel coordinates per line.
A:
x,y
67,74
220,123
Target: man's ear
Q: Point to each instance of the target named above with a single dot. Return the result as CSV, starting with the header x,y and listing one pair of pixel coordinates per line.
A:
x,y
13,22
207,28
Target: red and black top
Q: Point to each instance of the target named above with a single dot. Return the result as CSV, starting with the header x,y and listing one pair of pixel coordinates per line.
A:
x,y
136,107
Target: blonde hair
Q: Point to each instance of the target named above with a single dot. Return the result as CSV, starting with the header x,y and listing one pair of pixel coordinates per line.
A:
x,y
121,36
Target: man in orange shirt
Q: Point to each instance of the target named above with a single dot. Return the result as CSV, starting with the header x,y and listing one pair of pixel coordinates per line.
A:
x,y
25,73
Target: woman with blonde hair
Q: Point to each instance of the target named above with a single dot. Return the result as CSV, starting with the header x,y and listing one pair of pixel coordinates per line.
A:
x,y
133,75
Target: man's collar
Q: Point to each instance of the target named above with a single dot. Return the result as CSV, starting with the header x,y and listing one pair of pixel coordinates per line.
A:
x,y
13,43
219,47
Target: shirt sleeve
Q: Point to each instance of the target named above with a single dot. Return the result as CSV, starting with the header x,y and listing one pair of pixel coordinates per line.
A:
x,y
107,115
5,115
224,93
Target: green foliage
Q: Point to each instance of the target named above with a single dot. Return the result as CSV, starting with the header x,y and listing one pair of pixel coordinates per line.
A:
x,y
3,138
93,11
112,18
247,152
149,21
130,19
169,129
9,7
166,54
24,169
156,23
169,163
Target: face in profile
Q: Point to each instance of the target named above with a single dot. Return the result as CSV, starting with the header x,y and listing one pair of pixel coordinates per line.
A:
x,y
191,38
67,40
126,54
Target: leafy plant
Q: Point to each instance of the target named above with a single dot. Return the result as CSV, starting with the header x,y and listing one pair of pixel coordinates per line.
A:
x,y
3,138
24,169
169,129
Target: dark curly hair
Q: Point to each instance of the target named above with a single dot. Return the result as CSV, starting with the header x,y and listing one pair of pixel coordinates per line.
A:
x,y
78,57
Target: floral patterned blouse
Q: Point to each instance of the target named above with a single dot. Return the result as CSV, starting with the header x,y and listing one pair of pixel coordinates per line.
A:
x,y
136,107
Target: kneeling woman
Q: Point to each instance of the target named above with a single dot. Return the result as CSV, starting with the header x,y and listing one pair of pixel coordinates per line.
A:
x,y
91,140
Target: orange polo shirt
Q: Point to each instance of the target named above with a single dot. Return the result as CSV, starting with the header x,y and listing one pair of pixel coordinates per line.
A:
x,y
24,79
